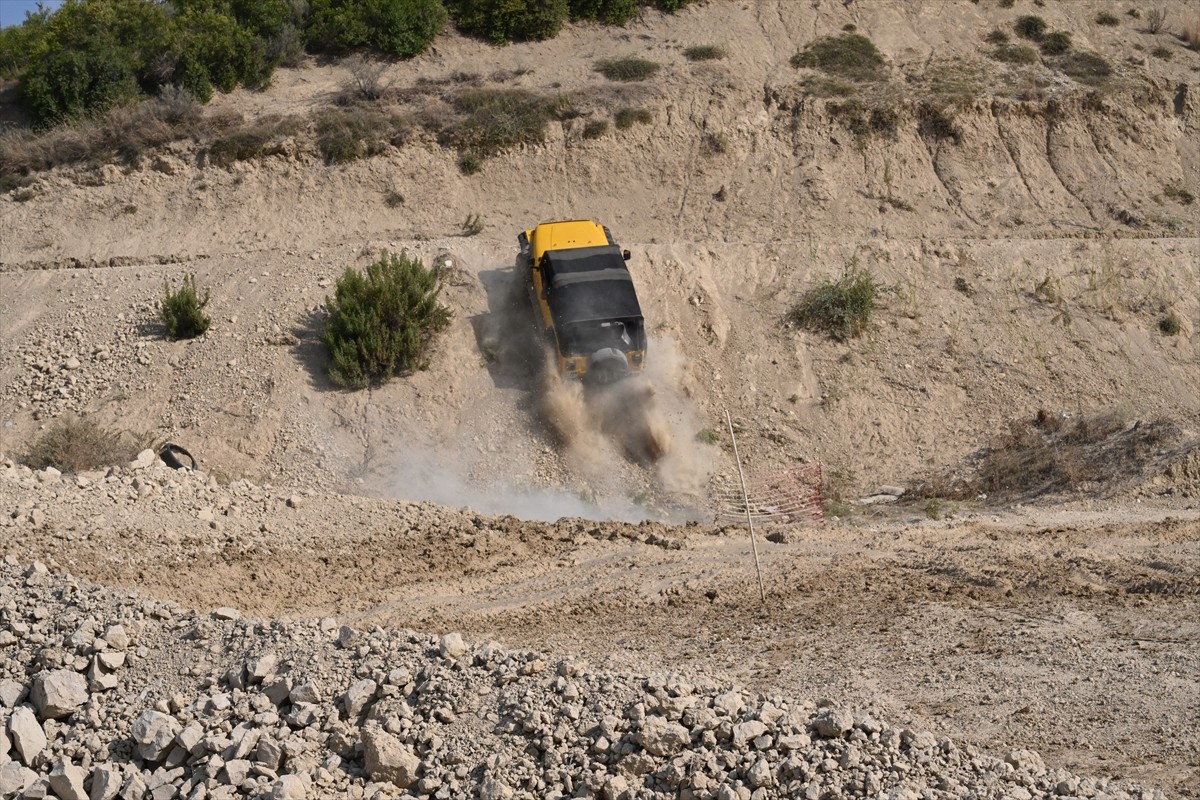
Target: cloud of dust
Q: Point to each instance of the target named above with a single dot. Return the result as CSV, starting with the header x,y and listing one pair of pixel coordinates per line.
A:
x,y
648,417
426,479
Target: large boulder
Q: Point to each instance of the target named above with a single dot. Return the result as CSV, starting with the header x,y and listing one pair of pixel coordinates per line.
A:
x,y
59,693
388,759
28,738
154,733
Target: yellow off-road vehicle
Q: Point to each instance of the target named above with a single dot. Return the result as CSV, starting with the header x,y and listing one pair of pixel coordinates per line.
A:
x,y
583,299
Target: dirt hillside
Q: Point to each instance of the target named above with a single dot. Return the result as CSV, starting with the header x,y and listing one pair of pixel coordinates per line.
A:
x,y
1034,234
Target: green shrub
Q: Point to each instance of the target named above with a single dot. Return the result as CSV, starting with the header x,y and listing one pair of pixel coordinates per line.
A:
x,y
509,21
704,52
627,69
1014,54
401,28
996,36
78,445
707,436
1170,325
68,84
383,322
1030,27
843,307
1164,53
848,55
1179,194
1056,43
610,12
182,310
470,163
628,117
1085,67
595,128
1105,18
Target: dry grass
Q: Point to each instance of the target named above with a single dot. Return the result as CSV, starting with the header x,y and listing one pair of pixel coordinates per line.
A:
x,y
124,133
78,445
259,138
1053,452
1191,34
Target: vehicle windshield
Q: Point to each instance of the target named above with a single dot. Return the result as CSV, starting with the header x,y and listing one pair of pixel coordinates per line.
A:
x,y
585,338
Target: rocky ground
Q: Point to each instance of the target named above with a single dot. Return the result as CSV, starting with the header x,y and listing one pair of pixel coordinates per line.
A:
x,y
881,664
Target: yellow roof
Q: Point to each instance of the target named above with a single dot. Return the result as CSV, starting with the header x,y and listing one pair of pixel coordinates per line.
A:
x,y
566,235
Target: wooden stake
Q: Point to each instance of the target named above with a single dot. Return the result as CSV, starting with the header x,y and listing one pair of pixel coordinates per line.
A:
x,y
762,591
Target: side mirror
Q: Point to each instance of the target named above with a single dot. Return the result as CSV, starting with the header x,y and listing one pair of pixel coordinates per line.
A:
x,y
625,254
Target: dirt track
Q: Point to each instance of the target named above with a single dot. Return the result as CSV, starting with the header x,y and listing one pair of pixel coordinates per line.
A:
x,y
1074,633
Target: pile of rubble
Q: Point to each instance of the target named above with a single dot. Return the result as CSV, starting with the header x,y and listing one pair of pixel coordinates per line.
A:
x,y
106,694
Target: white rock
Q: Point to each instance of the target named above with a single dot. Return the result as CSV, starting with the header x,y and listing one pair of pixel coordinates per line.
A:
x,y
11,692
106,782
386,758
760,774
305,693
144,459
154,733
235,772
291,787
27,735
15,778
493,789
745,732
116,637
834,722
661,737
225,612
59,693
1027,760
452,645
263,667
358,696
66,780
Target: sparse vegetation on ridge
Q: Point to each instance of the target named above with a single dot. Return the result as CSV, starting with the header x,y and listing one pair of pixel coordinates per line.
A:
x,y
849,55
704,52
628,69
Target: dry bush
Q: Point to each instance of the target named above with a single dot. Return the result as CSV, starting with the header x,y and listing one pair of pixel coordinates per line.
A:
x,y
262,137
627,69
1055,452
1191,34
704,52
126,132
78,445
366,79
628,117
347,134
1156,19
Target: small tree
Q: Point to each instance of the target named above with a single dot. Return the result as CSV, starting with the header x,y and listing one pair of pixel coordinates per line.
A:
x,y
182,310
382,322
